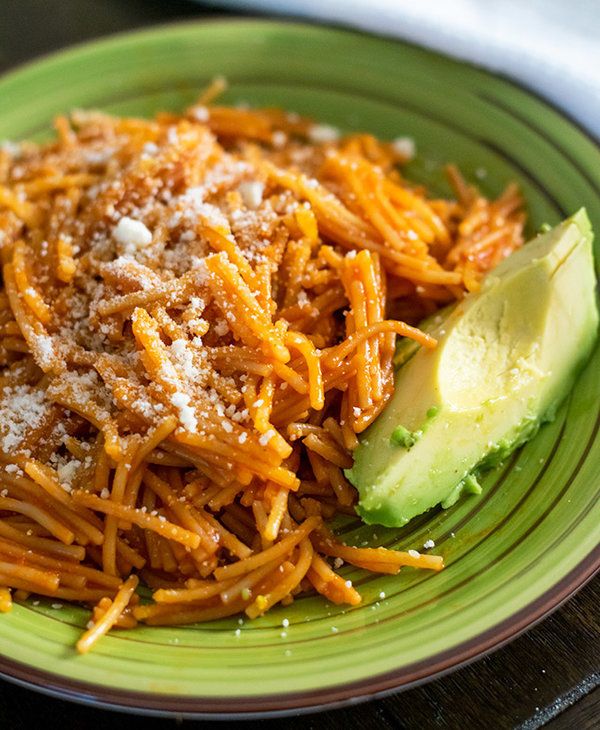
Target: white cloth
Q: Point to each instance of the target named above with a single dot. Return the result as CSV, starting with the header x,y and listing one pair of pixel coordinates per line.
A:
x,y
551,46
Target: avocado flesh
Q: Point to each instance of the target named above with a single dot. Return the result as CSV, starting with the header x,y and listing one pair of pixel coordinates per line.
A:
x,y
506,357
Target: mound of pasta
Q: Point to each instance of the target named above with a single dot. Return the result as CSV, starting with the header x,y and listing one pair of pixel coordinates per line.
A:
x,y
198,315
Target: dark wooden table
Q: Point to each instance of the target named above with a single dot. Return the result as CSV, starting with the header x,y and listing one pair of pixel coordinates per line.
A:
x,y
549,676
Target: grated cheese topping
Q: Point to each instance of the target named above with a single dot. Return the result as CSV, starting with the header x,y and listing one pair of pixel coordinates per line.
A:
x,y
21,408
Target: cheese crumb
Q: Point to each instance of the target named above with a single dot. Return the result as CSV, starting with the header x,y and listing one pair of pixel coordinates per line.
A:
x,y
187,417
429,544
322,133
278,138
13,149
266,437
66,472
414,554
132,234
405,147
252,193
45,351
220,327
200,114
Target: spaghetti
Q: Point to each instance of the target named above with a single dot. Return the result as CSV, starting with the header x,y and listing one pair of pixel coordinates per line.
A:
x,y
198,315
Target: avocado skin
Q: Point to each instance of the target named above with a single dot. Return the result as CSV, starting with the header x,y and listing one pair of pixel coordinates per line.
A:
x,y
506,358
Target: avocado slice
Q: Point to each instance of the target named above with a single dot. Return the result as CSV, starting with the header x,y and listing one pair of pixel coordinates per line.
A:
x,y
506,357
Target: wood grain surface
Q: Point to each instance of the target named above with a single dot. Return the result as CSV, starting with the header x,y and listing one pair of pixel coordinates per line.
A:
x,y
549,676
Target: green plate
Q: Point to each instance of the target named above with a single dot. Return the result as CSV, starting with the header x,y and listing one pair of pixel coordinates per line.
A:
x,y
513,554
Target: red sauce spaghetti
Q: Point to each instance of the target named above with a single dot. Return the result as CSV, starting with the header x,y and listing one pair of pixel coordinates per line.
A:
x,y
198,316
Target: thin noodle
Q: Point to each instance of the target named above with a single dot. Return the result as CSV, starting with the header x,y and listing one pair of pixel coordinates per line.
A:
x,y
198,317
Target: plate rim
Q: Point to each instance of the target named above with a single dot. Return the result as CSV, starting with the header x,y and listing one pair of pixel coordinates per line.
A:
x,y
299,22
334,697
346,693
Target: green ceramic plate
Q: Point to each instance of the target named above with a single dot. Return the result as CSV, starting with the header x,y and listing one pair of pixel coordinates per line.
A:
x,y
513,554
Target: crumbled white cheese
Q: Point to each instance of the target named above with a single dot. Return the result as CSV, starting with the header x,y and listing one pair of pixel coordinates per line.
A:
x,y
187,417
201,273
252,193
184,359
414,554
200,114
21,408
44,352
98,157
11,148
131,234
278,139
321,133
221,327
194,195
429,544
405,147
212,216
66,472
266,437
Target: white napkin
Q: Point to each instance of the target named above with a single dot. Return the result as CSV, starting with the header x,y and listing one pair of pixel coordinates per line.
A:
x,y
551,46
